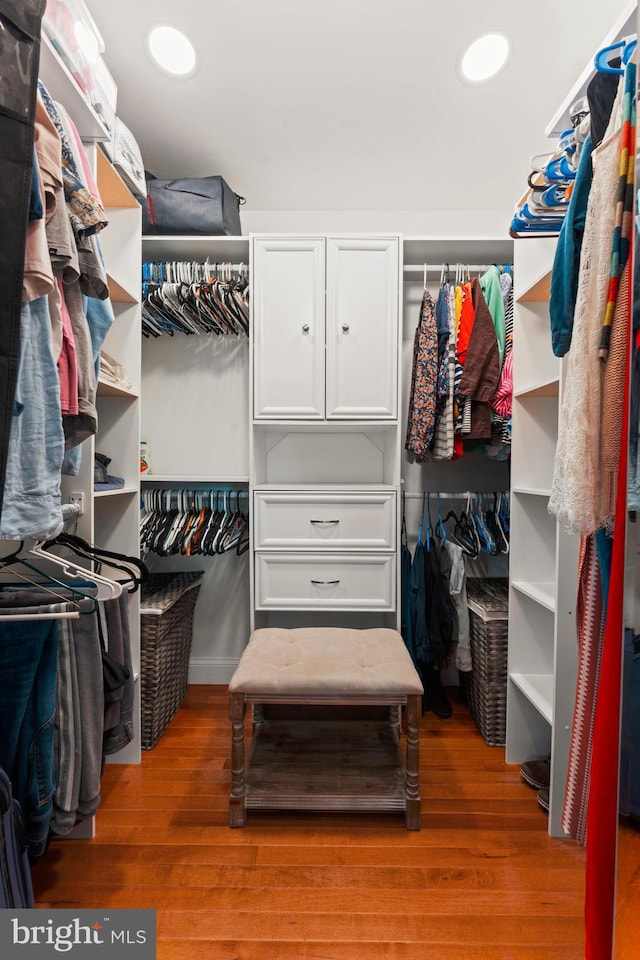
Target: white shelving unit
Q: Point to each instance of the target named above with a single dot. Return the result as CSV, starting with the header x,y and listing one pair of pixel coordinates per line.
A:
x,y
543,559
325,438
195,420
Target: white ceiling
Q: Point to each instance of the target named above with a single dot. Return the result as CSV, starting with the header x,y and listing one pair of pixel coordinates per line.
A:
x,y
350,104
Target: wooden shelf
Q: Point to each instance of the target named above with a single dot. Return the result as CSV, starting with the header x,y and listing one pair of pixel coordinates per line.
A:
x,y
550,388
113,190
539,292
457,250
181,478
216,249
532,491
538,689
118,293
325,765
119,492
108,389
543,592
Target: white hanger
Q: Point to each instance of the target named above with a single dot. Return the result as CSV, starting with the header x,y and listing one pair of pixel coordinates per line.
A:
x,y
107,589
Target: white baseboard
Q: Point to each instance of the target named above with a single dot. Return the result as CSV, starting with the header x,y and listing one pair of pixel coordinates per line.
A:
x,y
212,670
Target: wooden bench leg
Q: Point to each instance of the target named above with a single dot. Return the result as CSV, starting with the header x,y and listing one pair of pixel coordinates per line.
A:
x,y
237,809
412,782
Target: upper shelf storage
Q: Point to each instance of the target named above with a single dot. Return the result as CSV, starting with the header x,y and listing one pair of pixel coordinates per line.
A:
x,y
624,26
457,250
63,88
216,249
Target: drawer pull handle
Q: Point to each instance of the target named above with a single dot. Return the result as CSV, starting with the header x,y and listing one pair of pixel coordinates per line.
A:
x,y
323,522
345,328
324,583
305,328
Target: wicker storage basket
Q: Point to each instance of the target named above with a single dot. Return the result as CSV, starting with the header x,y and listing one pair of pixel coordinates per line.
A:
x,y
166,621
485,687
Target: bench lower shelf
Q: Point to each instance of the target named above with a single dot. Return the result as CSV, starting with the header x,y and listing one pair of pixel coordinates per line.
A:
x,y
325,765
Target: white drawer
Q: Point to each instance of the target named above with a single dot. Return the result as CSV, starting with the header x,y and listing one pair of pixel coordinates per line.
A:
x,y
289,581
325,521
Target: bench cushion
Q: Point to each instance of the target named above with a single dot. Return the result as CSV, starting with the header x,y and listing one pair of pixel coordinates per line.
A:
x,y
325,661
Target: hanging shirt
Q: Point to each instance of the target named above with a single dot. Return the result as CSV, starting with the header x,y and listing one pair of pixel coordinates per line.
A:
x,y
492,292
481,368
422,398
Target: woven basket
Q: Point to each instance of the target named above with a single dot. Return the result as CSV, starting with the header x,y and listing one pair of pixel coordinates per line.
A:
x,y
485,687
166,624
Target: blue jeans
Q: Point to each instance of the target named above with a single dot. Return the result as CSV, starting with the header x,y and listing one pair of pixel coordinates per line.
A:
x,y
31,506
28,661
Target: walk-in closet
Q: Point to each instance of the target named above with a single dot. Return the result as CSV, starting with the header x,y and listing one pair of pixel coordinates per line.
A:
x,y
319,418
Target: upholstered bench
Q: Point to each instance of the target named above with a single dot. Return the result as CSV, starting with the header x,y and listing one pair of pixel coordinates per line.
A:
x,y
318,763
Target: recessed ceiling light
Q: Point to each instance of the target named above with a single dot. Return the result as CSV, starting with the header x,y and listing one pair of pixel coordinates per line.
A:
x,y
484,57
172,50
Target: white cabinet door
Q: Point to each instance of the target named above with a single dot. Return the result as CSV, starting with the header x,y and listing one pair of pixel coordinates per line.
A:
x,y
288,328
362,328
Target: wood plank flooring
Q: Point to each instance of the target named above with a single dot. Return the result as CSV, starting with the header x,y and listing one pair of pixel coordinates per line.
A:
x,y
482,880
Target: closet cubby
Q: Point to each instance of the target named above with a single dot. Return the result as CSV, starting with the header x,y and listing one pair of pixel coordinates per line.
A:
x,y
532,467
195,422
535,368
312,454
542,658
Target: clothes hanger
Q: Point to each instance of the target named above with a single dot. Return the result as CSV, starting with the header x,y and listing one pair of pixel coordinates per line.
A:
x,y
441,532
7,562
46,614
107,589
601,60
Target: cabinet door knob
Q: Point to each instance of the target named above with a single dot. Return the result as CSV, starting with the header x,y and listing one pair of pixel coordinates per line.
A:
x,y
345,328
323,583
323,522
305,328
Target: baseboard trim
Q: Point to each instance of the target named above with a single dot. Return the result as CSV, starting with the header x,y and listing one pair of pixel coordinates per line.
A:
x,y
213,670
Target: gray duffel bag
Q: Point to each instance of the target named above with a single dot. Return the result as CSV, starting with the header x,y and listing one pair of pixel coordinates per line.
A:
x,y
206,206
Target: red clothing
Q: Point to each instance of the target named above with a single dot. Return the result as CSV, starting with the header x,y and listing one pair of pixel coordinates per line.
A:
x,y
482,367
466,324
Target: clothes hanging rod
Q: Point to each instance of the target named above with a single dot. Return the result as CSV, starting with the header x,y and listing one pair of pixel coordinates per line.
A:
x,y
452,496
71,511
244,265
437,267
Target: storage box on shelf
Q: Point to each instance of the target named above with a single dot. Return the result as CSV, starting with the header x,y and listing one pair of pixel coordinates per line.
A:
x,y
543,559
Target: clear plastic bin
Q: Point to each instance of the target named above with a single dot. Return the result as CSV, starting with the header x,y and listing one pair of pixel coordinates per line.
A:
x,y
75,37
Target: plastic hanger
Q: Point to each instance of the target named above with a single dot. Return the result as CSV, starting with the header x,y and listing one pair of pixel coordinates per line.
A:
x,y
601,60
107,589
43,583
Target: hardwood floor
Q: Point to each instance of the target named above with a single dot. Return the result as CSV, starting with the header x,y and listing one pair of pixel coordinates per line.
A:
x,y
482,880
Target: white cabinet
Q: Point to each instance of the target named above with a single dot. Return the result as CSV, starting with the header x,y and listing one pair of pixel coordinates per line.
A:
x,y
325,323
325,436
543,558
